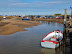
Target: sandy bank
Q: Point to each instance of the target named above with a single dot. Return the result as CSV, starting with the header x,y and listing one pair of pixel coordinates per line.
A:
x,y
13,26
10,29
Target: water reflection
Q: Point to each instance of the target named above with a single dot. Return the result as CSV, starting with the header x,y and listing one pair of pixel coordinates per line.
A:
x,y
60,50
49,23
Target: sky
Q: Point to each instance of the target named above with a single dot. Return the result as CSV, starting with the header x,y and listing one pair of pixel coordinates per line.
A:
x,y
34,7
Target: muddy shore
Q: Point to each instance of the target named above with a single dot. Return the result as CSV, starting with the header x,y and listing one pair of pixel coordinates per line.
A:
x,y
8,27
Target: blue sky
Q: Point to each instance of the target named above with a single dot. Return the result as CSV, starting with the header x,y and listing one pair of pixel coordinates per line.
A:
x,y
34,7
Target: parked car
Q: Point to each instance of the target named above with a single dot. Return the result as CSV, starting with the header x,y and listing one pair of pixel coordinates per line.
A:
x,y
46,17
38,16
50,17
58,17
43,17
62,17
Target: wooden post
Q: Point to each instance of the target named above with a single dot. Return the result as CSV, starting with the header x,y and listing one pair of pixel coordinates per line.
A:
x,y
64,35
65,16
71,12
71,16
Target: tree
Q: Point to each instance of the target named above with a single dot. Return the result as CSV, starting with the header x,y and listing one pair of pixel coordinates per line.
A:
x,y
58,14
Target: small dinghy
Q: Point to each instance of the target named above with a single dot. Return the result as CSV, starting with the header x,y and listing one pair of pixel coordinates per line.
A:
x,y
52,39
25,18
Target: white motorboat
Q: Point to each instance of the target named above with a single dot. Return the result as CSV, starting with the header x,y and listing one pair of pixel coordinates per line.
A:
x,y
52,39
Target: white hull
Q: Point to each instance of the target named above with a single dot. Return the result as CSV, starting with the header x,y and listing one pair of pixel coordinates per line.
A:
x,y
51,44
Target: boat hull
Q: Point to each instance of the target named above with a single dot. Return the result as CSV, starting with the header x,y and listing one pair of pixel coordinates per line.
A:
x,y
47,42
50,44
25,19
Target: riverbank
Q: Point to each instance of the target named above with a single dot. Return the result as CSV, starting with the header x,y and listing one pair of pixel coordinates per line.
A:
x,y
8,27
15,24
52,20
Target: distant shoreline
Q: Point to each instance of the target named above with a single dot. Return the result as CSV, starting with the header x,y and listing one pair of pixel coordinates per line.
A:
x,y
52,20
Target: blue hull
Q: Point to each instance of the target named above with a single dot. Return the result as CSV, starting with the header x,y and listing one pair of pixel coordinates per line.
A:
x,y
25,19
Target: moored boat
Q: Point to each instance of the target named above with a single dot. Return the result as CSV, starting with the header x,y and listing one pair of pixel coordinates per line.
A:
x,y
52,39
25,18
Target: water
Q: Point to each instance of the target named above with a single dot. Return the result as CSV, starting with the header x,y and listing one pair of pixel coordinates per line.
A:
x,y
28,42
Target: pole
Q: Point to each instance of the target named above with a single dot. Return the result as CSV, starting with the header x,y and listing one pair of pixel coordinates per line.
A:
x,y
65,16
71,12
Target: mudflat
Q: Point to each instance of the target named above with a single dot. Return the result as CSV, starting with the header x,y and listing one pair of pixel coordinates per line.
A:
x,y
8,27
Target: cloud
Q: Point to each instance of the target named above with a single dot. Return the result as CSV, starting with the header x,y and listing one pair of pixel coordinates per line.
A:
x,y
38,3
19,3
13,0
56,2
7,3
